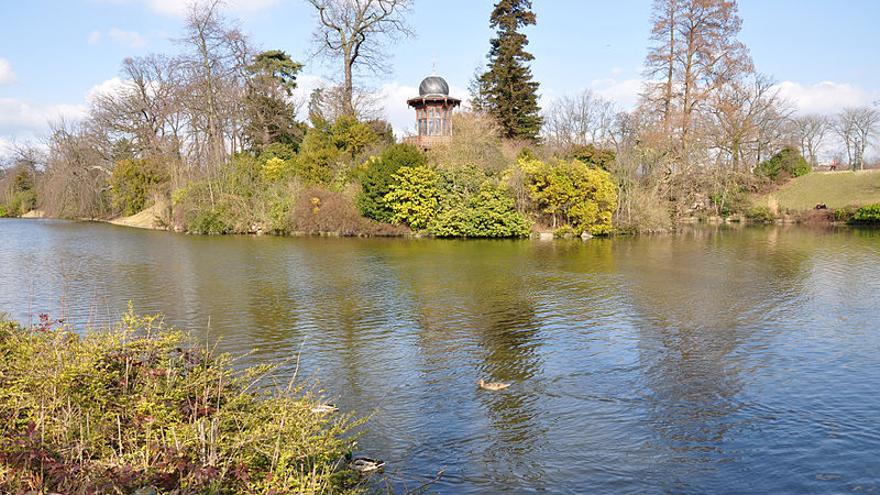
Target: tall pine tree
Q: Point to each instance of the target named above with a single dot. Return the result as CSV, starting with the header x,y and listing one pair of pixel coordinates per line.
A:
x,y
507,90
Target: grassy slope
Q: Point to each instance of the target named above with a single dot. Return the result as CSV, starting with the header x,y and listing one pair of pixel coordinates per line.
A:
x,y
835,189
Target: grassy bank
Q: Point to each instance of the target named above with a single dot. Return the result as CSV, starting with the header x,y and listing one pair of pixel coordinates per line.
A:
x,y
143,406
834,189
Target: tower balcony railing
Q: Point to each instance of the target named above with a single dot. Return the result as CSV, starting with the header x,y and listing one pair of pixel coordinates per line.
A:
x,y
427,141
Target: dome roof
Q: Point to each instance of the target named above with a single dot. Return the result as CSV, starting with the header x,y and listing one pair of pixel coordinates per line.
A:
x,y
434,86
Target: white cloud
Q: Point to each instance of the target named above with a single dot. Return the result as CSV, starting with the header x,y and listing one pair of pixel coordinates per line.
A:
x,y
826,97
5,147
625,93
305,84
179,8
107,87
19,118
131,39
7,76
22,121
392,98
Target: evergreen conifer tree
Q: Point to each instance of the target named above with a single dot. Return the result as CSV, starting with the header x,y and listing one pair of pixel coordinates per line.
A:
x,y
506,89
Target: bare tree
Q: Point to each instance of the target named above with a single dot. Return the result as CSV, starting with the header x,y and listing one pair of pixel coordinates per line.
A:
x,y
214,70
75,182
748,119
585,118
331,102
147,111
696,53
354,31
809,131
857,127
660,62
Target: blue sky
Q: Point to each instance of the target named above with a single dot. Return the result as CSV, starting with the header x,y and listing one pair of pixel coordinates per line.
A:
x,y
53,54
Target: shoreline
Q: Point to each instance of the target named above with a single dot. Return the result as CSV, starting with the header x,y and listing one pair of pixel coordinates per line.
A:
x,y
146,221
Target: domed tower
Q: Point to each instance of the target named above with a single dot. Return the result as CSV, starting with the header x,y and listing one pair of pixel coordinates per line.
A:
x,y
434,109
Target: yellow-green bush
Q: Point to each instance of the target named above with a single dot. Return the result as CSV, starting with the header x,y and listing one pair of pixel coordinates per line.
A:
x,y
580,196
131,183
275,169
489,213
760,214
141,405
414,196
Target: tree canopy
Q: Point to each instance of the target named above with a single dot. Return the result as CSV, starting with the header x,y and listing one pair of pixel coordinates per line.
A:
x,y
506,89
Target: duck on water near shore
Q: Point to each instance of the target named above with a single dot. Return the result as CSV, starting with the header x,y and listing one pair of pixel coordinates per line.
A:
x,y
324,409
366,465
493,386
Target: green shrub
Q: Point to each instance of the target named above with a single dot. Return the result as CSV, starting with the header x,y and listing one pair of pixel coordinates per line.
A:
x,y
275,169
459,184
143,406
179,195
377,177
279,214
317,157
131,183
4,211
283,151
760,214
490,213
414,196
210,221
866,215
352,136
783,165
21,202
243,176
731,202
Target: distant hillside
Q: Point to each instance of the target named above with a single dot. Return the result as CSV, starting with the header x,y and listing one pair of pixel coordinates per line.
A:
x,y
835,189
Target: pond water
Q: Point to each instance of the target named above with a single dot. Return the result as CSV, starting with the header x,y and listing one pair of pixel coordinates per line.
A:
x,y
715,361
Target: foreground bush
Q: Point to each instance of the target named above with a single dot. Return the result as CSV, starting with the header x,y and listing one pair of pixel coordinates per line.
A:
x,y
866,215
143,406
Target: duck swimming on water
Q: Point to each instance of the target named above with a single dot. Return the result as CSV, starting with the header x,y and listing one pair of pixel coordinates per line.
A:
x,y
324,409
366,465
493,386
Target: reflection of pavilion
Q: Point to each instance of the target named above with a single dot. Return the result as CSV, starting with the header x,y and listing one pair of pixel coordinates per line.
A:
x,y
434,109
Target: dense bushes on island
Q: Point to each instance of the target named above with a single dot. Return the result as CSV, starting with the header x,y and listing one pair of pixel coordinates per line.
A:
x,y
345,178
